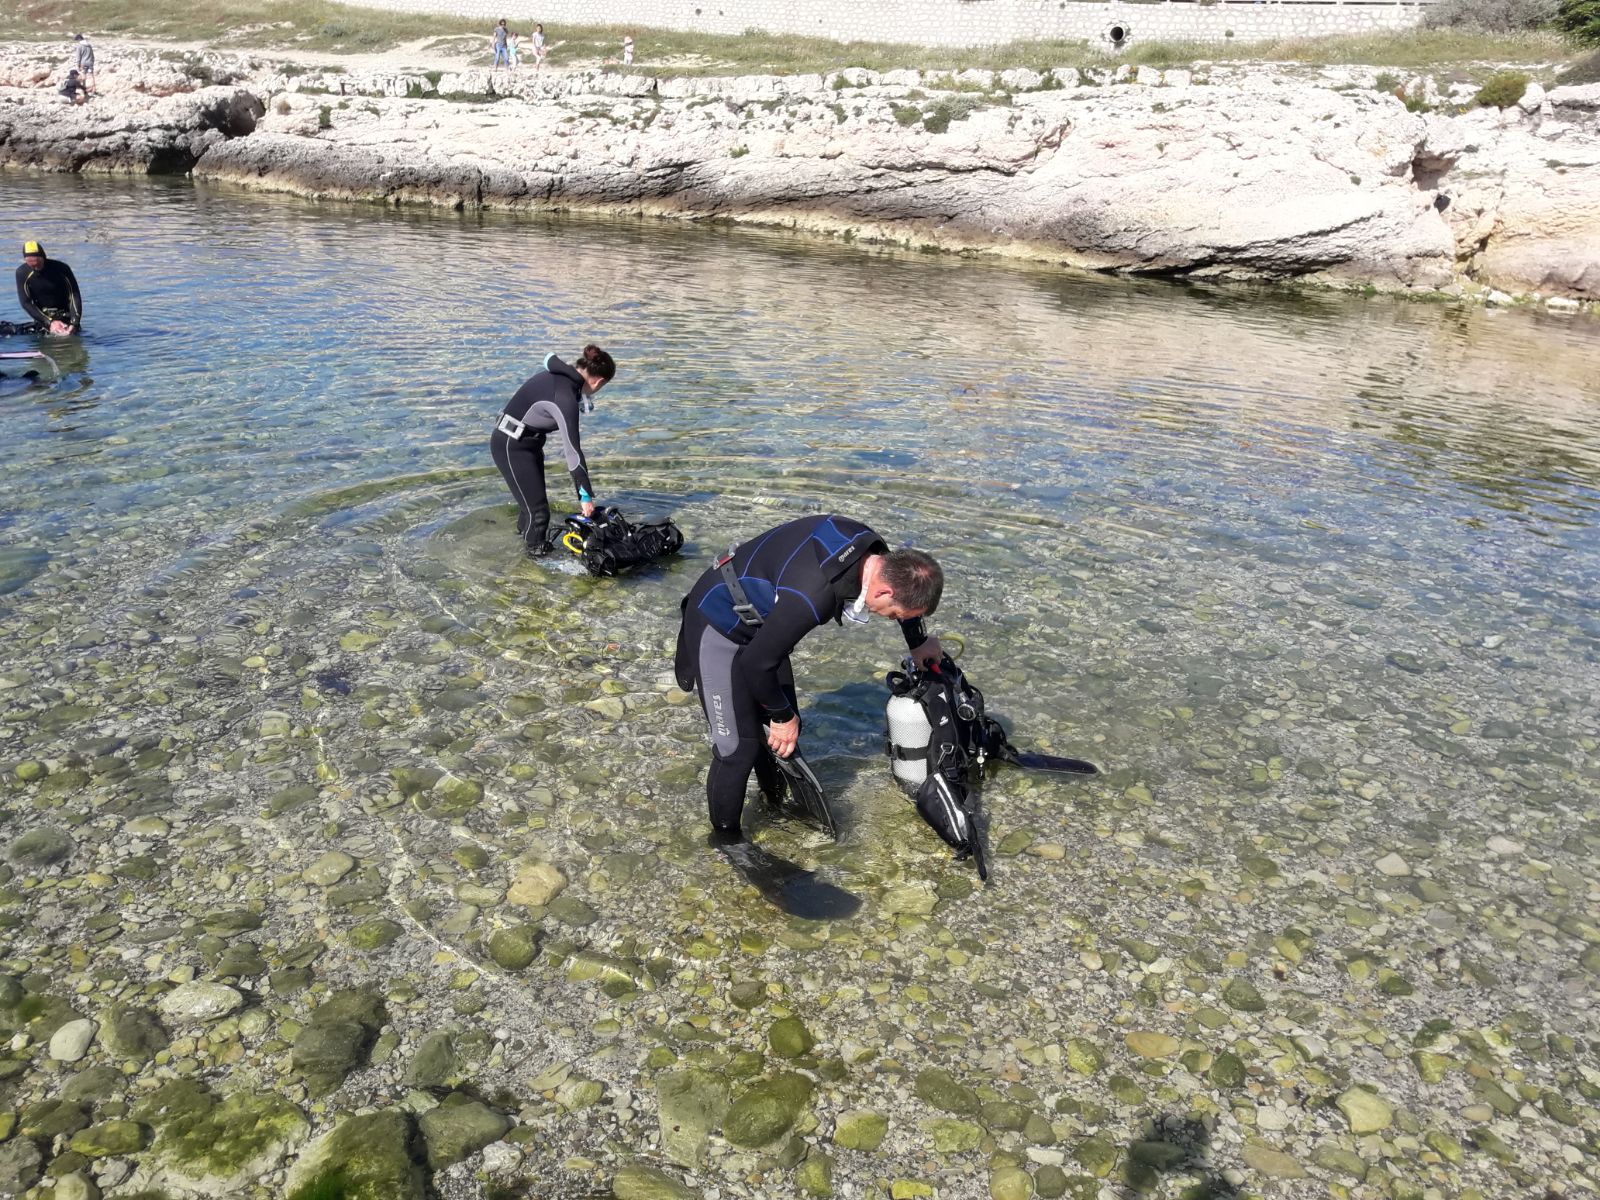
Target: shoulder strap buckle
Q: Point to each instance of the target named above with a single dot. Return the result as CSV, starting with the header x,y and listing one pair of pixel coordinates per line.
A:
x,y
749,615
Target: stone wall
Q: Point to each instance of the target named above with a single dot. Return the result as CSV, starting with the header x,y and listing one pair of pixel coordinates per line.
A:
x,y
942,22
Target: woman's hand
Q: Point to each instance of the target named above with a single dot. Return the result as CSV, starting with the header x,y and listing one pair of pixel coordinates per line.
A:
x,y
783,736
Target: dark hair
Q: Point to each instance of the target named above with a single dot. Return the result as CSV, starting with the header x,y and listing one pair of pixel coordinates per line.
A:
x,y
915,578
597,362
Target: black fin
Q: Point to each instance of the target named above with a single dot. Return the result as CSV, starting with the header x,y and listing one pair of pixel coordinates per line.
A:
x,y
1030,761
785,885
1000,746
806,797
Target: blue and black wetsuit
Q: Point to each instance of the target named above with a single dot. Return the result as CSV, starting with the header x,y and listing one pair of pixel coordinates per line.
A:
x,y
797,577
547,403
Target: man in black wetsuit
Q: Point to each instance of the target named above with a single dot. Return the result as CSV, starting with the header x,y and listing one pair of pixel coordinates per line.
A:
x,y
747,613
49,291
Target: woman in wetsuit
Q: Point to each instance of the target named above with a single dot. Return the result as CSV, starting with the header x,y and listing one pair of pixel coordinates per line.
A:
x,y
548,403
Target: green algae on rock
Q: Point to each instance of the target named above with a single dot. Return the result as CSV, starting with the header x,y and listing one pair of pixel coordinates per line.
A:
x,y
233,1142
789,1038
366,1157
860,1130
690,1105
938,1087
767,1110
648,1183
458,1127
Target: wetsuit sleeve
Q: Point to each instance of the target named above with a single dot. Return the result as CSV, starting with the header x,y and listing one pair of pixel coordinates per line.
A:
x,y
916,632
26,300
75,305
759,661
565,417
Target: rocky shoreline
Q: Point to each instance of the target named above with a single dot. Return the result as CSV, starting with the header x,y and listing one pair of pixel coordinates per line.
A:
x,y
1238,172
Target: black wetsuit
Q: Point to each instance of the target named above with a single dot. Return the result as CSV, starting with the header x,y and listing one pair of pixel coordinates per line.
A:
x,y
798,576
50,293
547,403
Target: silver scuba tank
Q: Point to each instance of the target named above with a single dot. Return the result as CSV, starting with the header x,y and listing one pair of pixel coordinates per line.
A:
x,y
909,732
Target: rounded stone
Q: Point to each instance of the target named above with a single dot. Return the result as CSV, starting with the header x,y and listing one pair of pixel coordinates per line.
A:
x,y
108,1139
41,847
861,1130
72,1041
1366,1111
789,1038
536,885
1010,1183
514,948
199,1002
329,868
1153,1045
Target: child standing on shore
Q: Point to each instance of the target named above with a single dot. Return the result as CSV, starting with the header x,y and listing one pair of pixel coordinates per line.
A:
x,y
513,40
83,59
539,48
627,49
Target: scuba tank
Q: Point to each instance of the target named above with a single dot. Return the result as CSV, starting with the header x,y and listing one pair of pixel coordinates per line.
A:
x,y
909,732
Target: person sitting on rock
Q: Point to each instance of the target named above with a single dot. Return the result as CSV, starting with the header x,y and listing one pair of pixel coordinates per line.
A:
x,y
48,291
72,89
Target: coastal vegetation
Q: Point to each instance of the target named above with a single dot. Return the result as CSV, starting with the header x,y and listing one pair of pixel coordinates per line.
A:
x,y
1471,31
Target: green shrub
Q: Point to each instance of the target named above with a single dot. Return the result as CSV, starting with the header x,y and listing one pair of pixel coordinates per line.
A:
x,y
1502,90
1490,16
907,114
1387,81
324,117
1585,70
1580,19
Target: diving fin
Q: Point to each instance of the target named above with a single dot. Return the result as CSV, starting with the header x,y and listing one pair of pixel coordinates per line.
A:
x,y
806,797
1000,746
787,886
1048,762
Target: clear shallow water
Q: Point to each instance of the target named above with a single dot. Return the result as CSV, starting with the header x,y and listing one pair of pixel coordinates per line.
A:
x,y
1313,577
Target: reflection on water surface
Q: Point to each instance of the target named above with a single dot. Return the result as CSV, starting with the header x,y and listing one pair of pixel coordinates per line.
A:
x,y
1312,576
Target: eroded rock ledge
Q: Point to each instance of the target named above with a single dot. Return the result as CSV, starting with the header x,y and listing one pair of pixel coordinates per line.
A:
x,y
1244,173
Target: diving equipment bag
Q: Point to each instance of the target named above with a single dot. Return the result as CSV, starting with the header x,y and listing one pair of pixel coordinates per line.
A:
x,y
609,544
939,742
937,745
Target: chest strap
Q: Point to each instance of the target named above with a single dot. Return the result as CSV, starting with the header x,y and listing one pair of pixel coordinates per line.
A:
x,y
747,613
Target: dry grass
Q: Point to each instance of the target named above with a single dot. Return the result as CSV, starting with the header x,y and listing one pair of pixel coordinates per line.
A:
x,y
323,26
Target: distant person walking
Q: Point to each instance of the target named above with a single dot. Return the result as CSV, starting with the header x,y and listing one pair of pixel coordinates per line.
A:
x,y
83,59
627,49
540,49
502,49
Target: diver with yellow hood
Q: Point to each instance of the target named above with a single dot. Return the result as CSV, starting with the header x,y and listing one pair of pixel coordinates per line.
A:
x,y
48,291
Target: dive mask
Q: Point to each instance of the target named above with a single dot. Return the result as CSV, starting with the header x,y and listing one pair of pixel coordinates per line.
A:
x,y
857,613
